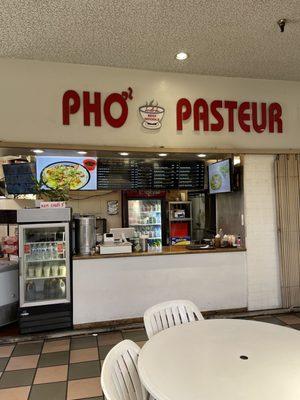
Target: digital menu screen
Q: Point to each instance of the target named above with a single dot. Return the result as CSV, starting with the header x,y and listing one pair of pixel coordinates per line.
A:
x,y
77,173
219,177
158,174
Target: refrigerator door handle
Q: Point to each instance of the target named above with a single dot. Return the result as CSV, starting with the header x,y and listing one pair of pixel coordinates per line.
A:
x,y
20,266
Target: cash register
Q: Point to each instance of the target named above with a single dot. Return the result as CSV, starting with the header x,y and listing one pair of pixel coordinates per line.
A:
x,y
116,241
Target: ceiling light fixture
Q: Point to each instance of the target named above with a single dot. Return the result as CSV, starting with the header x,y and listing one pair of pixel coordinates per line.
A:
x,y
181,56
201,155
124,154
82,152
162,154
38,151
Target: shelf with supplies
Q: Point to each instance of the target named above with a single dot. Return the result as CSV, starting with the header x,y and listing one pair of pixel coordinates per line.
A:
x,y
180,222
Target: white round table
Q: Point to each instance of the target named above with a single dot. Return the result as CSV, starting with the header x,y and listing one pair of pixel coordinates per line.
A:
x,y
222,360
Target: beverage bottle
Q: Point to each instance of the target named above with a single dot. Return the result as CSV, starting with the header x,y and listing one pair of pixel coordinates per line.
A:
x,y
238,241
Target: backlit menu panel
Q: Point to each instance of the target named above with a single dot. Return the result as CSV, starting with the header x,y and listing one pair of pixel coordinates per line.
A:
x,y
158,174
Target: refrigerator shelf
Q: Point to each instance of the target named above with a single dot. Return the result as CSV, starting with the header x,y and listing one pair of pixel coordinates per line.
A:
x,y
48,260
53,242
143,212
34,278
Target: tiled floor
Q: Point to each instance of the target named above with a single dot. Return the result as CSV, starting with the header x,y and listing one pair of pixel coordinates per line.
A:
x,y
69,369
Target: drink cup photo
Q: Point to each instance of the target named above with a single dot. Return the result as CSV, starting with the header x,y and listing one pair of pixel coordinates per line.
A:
x,y
54,270
38,272
46,271
62,270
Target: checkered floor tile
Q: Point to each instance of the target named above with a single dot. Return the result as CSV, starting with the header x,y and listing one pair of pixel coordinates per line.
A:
x,y
69,369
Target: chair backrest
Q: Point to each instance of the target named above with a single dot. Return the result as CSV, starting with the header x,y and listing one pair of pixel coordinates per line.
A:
x,y
119,375
168,314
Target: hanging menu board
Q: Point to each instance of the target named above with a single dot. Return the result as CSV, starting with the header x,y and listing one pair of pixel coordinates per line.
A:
x,y
159,174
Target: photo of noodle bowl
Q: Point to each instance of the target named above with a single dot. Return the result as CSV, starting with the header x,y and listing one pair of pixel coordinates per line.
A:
x,y
65,174
152,115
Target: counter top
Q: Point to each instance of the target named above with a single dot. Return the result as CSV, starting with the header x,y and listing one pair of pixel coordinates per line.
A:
x,y
166,250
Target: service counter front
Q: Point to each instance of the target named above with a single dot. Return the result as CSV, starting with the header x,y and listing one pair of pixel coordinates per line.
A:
x,y
122,286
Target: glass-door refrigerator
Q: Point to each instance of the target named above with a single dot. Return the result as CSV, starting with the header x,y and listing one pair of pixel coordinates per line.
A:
x,y
146,217
44,269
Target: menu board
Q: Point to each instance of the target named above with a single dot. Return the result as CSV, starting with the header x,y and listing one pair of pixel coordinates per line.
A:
x,y
19,178
115,174
77,173
158,174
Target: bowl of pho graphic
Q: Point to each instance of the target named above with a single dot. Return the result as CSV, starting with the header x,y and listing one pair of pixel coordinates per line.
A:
x,y
152,116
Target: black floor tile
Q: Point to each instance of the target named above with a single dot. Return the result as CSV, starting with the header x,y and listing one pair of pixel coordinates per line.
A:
x,y
89,369
104,350
52,359
3,362
83,342
26,349
49,391
11,379
296,326
135,335
270,320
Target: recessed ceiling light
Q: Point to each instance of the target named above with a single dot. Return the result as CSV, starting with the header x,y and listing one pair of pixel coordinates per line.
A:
x,y
181,56
162,154
201,155
124,154
236,160
38,151
82,152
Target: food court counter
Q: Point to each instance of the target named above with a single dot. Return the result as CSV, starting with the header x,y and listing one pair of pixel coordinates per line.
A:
x,y
123,286
166,250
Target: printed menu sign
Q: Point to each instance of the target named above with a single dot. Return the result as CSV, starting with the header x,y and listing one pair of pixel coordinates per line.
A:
x,y
77,173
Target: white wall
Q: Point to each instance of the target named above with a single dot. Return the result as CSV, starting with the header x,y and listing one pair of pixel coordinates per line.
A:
x,y
31,96
118,288
261,233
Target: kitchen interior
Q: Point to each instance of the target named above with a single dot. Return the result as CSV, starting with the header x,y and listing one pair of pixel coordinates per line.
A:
x,y
124,213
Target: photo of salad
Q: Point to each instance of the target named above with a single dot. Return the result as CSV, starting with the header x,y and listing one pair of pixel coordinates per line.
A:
x,y
65,174
219,177
216,182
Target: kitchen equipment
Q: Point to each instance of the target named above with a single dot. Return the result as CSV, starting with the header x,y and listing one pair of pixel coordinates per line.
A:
x,y
44,248
108,238
85,233
9,291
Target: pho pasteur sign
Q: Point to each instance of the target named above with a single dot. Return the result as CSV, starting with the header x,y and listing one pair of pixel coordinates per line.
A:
x,y
206,116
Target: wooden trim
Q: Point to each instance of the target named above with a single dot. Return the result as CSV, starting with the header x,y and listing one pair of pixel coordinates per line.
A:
x,y
116,324
174,150
110,324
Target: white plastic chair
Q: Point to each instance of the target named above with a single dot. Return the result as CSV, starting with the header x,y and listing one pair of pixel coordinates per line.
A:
x,y
119,375
170,313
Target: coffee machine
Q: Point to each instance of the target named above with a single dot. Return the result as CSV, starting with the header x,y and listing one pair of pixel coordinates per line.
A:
x,y
87,231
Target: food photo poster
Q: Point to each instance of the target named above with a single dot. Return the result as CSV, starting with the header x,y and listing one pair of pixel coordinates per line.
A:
x,y
77,173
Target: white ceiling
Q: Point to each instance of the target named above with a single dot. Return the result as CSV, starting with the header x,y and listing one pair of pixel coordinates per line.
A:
x,y
223,37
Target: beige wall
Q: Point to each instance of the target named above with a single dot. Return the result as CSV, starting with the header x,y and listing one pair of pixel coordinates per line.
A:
x,y
96,203
31,97
86,203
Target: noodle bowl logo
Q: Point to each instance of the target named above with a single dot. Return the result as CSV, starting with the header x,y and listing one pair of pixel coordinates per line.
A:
x,y
152,115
